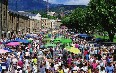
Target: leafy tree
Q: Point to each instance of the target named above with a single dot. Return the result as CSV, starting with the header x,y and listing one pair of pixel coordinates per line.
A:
x,y
103,14
66,21
77,19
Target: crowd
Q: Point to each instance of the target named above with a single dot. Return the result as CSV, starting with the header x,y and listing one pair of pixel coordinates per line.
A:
x,y
35,58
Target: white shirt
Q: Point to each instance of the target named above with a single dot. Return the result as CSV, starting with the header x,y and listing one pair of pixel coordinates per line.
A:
x,y
84,68
47,65
14,61
35,69
56,66
102,71
95,51
26,61
101,64
92,52
18,71
76,68
91,60
66,70
26,53
18,53
59,63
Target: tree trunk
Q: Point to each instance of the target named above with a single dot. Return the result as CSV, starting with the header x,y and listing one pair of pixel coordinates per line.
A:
x,y
111,36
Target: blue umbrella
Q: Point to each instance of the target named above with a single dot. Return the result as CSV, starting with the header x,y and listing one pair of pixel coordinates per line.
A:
x,y
8,49
7,41
82,34
25,41
98,39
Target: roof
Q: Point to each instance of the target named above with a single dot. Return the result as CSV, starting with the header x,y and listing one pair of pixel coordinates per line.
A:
x,y
27,14
38,14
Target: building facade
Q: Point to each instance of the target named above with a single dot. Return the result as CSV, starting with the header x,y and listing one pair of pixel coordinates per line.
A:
x,y
35,25
3,16
18,23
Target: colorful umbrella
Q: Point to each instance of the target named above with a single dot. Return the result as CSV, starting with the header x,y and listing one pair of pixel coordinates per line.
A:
x,y
47,39
58,39
50,45
8,49
3,51
68,47
25,41
66,40
30,39
13,44
74,50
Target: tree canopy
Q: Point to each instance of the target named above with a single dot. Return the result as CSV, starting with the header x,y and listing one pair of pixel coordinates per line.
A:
x,y
104,14
99,15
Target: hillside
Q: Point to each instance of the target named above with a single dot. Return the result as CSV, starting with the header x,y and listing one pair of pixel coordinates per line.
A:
x,y
27,5
38,5
64,8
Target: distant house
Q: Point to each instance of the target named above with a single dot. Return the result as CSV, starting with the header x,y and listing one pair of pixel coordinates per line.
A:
x,y
35,16
51,13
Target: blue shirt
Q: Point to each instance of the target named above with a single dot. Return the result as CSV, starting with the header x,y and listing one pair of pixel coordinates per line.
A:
x,y
8,61
109,69
0,68
87,57
4,64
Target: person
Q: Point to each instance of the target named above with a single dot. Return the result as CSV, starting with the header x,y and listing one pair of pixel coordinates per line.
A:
x,y
109,68
47,66
89,69
75,68
34,60
60,70
19,70
85,68
0,68
69,61
28,70
35,68
66,69
87,56
94,65
27,54
85,52
42,69
52,68
4,65
56,66
102,70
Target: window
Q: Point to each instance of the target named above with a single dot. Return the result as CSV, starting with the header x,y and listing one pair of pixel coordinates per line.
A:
x,y
4,13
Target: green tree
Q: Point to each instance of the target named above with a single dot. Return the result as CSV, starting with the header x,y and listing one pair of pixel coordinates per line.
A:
x,y
103,14
66,21
77,19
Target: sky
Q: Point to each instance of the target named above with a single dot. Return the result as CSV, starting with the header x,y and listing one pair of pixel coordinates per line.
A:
x,y
70,2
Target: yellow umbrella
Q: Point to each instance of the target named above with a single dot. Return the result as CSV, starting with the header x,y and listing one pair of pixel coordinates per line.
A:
x,y
74,50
